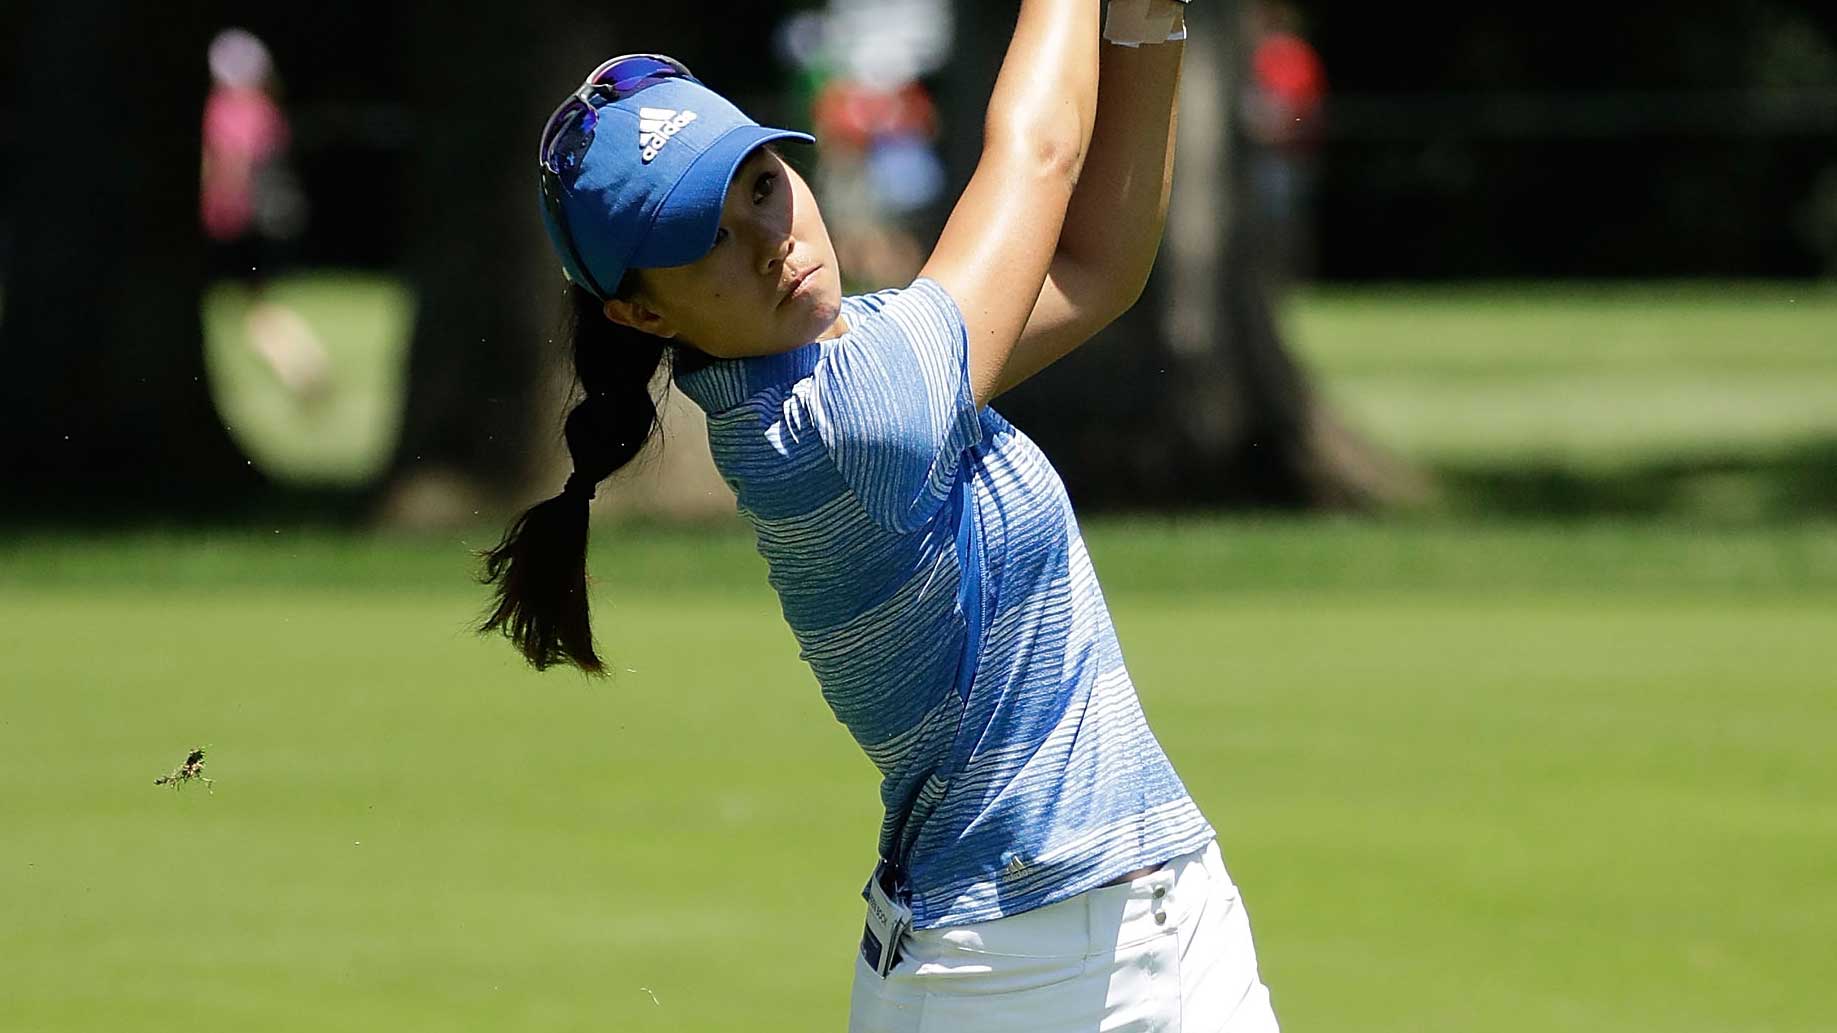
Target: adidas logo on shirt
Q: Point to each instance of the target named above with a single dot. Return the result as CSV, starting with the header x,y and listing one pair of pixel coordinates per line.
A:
x,y
656,126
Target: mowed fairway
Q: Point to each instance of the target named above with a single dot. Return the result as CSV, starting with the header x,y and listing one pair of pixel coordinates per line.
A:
x,y
1601,377
1470,778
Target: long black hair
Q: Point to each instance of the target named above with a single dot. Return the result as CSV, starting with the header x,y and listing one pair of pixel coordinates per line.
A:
x,y
539,570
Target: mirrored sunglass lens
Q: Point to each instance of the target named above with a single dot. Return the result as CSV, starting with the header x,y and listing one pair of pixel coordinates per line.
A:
x,y
635,73
623,77
557,122
571,262
572,145
575,122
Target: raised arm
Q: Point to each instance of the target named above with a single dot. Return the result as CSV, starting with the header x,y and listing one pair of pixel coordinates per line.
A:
x,y
1113,224
1001,238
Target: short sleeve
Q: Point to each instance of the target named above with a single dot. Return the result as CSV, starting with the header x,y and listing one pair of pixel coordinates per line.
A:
x,y
892,404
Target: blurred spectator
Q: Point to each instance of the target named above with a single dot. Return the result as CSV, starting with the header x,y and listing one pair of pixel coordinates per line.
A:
x,y
879,168
252,206
879,171
1283,103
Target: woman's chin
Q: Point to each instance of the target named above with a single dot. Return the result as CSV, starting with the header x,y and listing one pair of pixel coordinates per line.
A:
x,y
831,323
799,323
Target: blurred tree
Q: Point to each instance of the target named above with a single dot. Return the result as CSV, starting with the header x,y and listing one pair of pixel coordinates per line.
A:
x,y
1192,397
1251,426
476,367
105,408
1580,140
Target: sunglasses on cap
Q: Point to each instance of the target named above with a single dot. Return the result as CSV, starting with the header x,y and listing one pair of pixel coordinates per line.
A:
x,y
568,133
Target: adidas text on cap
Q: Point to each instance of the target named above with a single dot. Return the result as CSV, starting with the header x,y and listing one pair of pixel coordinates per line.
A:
x,y
649,189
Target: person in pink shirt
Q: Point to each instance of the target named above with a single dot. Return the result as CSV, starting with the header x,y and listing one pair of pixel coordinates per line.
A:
x,y
251,206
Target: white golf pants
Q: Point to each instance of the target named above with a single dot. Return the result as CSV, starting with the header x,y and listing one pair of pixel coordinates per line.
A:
x,y
1169,952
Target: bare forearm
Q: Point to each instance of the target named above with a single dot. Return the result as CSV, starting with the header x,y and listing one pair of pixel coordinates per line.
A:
x,y
1114,218
1117,213
999,243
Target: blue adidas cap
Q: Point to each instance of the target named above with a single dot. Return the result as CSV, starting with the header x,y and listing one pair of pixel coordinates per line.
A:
x,y
647,190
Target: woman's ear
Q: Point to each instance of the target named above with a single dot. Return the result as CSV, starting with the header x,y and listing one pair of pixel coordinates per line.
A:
x,y
639,316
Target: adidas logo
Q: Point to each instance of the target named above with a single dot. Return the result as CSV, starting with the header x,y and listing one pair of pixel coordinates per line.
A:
x,y
656,126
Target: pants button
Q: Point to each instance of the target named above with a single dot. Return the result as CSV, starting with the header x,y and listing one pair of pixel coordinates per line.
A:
x,y
1160,918
1159,893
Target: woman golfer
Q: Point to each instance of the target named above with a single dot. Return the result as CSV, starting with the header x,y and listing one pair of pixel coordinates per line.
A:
x,y
1042,868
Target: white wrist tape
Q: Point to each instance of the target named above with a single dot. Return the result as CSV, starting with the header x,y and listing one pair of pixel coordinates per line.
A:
x,y
1132,23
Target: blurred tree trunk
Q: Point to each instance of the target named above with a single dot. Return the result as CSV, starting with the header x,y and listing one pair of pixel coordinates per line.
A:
x,y
1193,396
105,408
481,366
1257,432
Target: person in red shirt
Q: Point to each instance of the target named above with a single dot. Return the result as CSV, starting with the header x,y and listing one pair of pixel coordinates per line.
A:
x,y
1284,101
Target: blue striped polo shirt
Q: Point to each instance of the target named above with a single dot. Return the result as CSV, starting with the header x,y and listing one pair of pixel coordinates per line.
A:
x,y
1017,768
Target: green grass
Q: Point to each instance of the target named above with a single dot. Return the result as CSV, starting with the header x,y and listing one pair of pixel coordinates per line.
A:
x,y
1470,777
1599,377
343,436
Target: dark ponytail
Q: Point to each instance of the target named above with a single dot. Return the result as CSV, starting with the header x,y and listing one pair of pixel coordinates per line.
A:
x,y
540,568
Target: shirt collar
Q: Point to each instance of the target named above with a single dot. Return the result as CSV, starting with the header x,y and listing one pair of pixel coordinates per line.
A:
x,y
723,384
